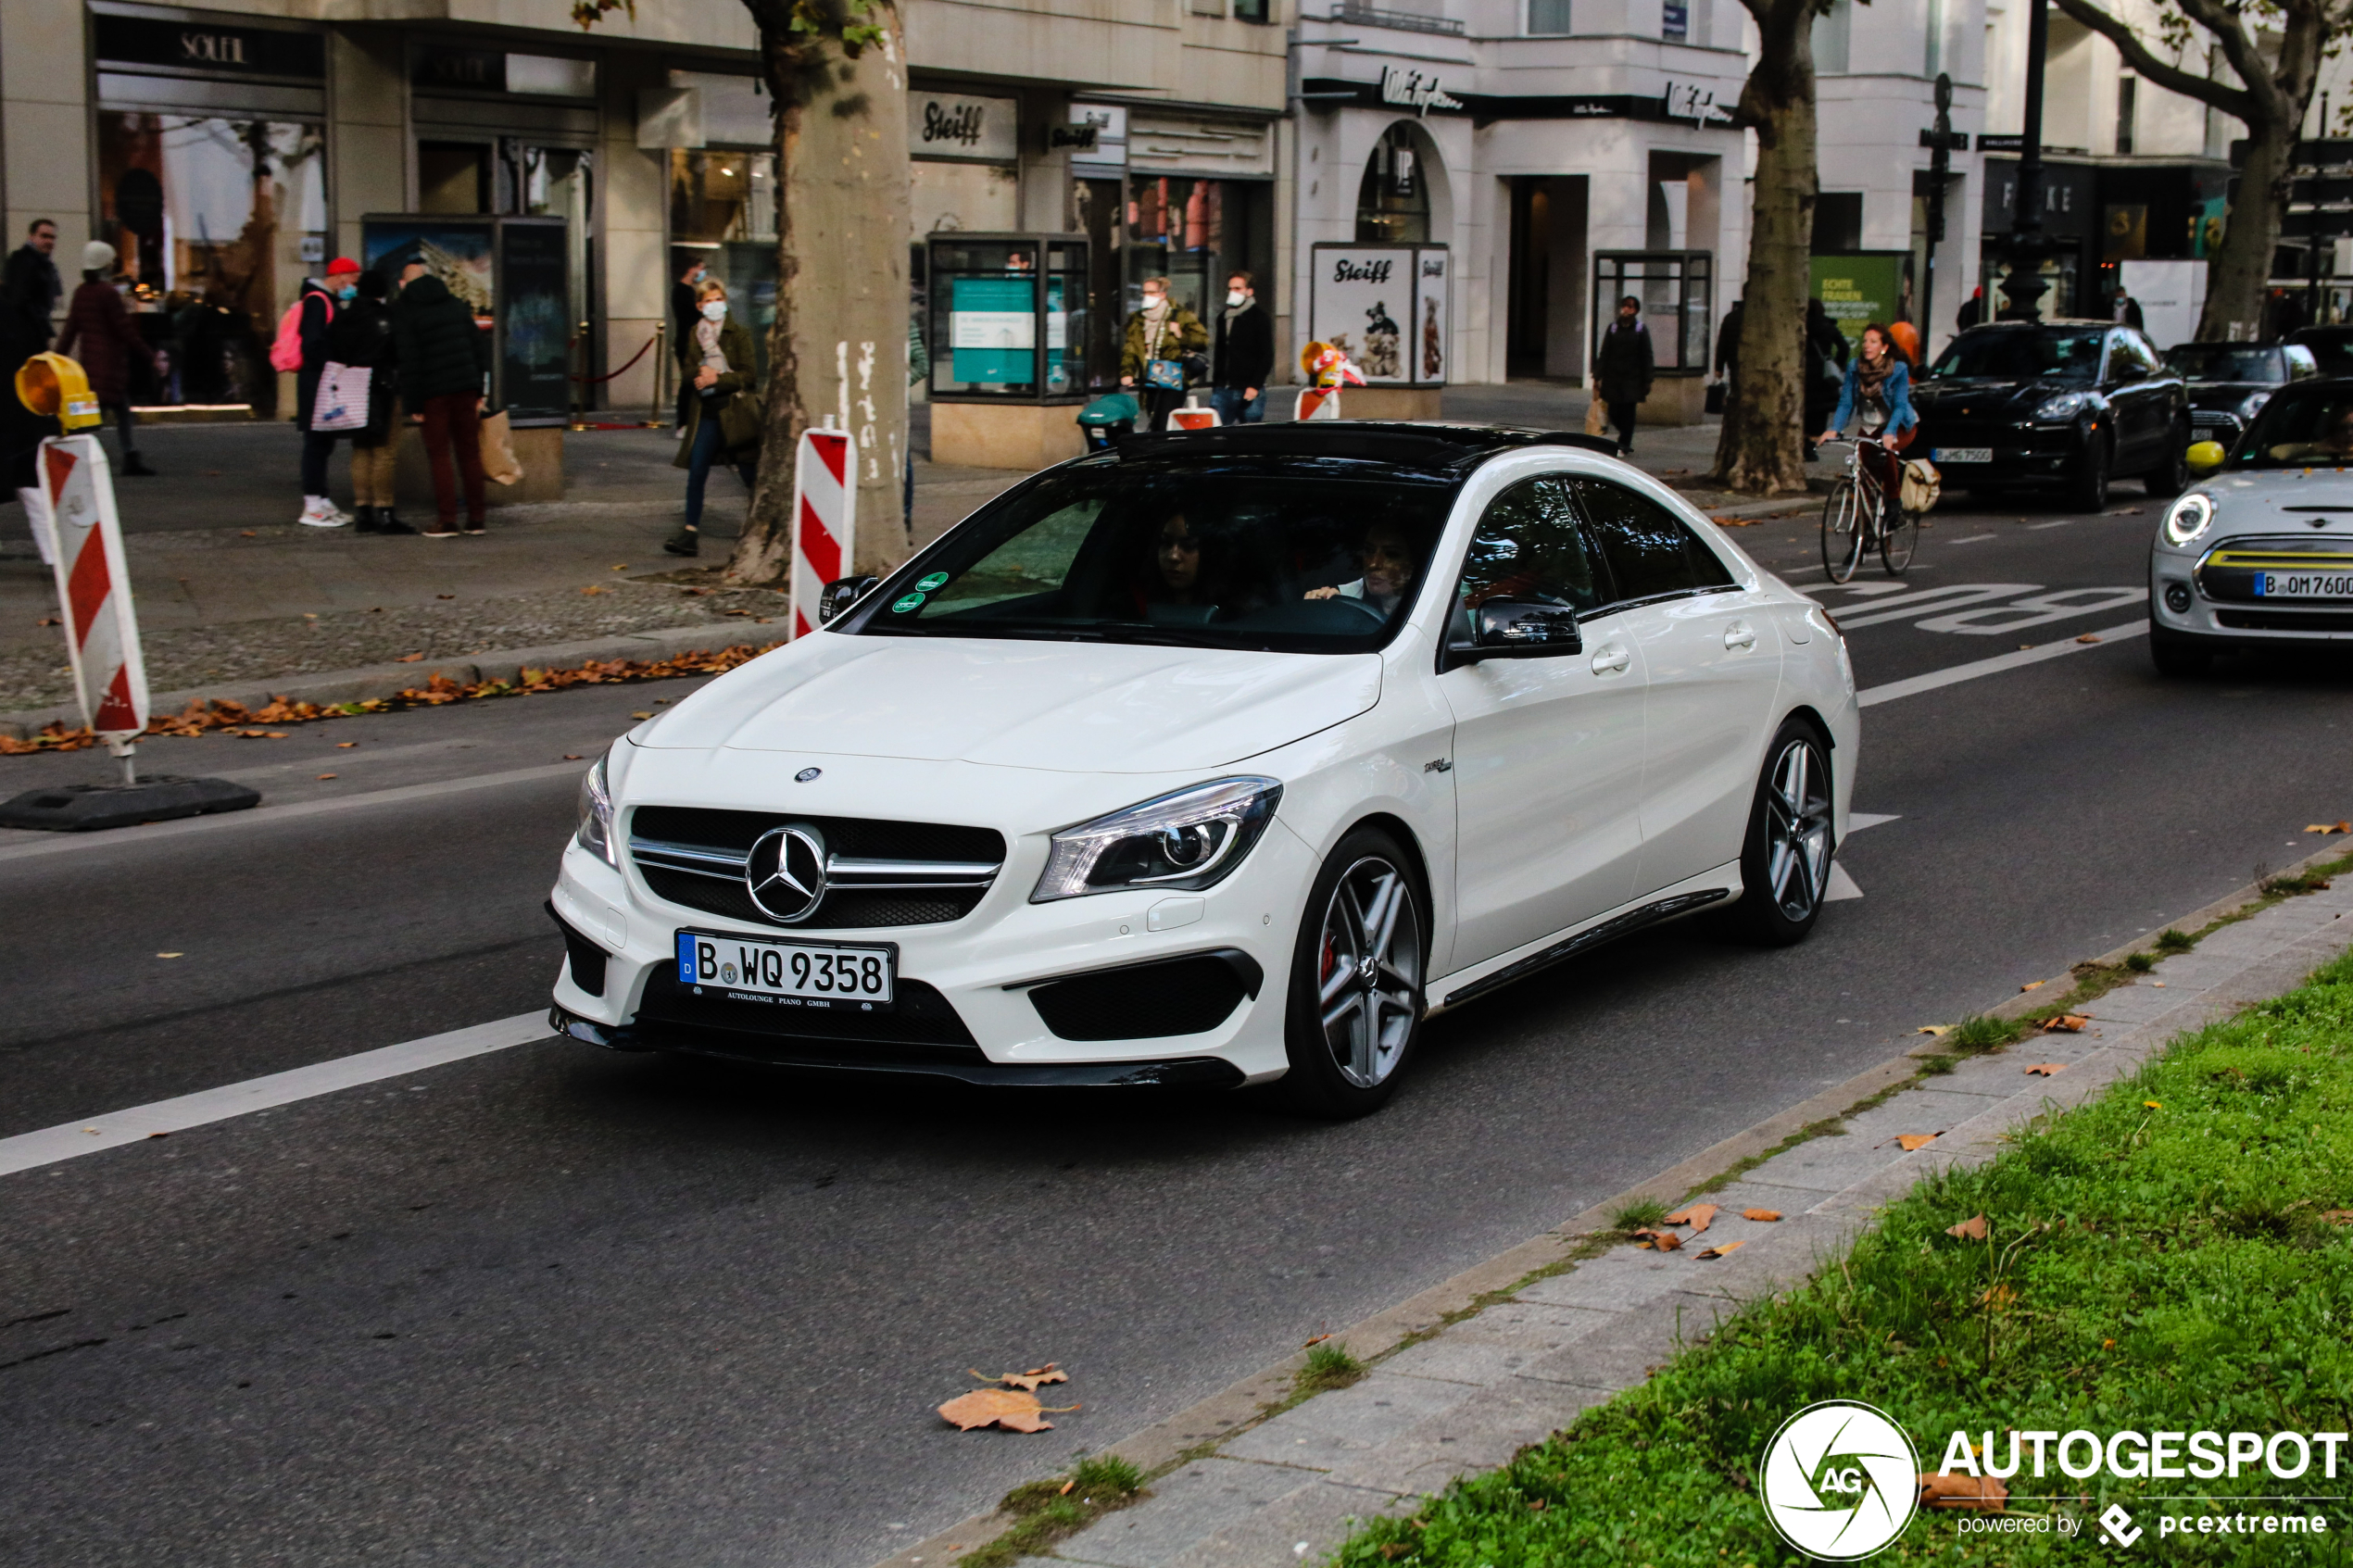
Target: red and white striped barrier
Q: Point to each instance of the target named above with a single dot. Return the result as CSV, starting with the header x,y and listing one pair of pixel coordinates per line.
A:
x,y
1192,416
1316,403
94,585
825,509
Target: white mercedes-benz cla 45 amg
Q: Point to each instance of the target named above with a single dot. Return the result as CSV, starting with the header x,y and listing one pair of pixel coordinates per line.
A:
x,y
1223,758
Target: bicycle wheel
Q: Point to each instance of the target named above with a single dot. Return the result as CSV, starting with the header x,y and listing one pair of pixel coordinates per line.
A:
x,y
1842,532
1898,539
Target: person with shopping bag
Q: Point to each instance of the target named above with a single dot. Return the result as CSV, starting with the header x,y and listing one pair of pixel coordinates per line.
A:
x,y
362,380
444,361
726,416
1159,339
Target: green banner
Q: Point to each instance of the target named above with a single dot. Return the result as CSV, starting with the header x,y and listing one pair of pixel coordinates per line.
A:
x,y
1858,290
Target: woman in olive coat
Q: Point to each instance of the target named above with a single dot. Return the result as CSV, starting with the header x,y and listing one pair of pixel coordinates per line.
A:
x,y
724,414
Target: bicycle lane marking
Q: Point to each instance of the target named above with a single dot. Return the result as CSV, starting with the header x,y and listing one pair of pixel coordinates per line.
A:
x,y
1999,664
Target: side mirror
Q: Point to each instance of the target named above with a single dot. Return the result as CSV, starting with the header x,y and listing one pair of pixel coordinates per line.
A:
x,y
841,594
1518,629
2205,457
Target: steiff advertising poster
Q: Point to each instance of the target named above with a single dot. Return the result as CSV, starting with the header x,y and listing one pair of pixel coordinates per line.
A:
x,y
1385,306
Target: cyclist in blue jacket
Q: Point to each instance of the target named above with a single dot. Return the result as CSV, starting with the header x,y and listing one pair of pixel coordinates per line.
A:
x,y
1879,394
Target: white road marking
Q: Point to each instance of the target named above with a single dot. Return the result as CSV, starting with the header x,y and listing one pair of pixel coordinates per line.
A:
x,y
1973,539
1930,601
1842,885
2036,609
1857,821
2038,527
28,1151
1871,697
1871,590
61,843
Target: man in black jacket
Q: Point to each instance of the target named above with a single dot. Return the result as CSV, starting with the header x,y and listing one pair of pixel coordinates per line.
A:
x,y
30,287
444,361
1245,354
1623,369
29,294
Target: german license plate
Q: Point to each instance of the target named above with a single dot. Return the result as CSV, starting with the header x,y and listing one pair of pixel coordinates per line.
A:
x,y
2304,584
1962,454
813,975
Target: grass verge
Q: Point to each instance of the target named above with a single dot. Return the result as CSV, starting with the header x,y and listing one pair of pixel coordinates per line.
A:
x,y
2161,1257
1051,1510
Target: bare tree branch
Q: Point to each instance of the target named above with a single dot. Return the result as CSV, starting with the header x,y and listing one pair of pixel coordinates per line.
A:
x,y
2229,100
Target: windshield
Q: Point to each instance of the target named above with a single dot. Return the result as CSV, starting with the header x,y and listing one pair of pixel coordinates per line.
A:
x,y
1309,556
2299,429
2334,350
2006,354
2225,361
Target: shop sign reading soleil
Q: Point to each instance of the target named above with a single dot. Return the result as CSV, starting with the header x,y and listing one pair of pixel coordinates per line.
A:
x,y
958,126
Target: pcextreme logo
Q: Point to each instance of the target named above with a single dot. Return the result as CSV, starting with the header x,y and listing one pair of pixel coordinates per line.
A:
x,y
1840,1480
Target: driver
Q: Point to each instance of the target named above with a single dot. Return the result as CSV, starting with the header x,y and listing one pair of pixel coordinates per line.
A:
x,y
2336,441
1386,557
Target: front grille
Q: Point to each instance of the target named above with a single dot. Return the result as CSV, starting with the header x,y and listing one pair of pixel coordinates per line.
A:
x,y
2284,620
923,1026
1143,1001
881,873
2226,574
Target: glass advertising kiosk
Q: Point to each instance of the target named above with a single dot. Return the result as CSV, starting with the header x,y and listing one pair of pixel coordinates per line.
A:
x,y
1005,325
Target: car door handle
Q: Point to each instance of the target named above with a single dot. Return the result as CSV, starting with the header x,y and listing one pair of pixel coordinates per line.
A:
x,y
1737,635
1612,660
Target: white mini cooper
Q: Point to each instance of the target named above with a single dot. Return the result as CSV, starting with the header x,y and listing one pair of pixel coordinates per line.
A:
x,y
2260,552
1223,758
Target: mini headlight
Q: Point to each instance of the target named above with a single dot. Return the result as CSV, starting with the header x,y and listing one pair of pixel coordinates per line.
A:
x,y
1191,839
2188,517
2252,404
595,833
2065,406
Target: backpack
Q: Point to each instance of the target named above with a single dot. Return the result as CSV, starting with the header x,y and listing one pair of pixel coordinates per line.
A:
x,y
285,350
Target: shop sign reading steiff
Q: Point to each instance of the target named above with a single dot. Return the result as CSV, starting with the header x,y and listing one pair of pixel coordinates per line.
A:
x,y
958,127
1385,307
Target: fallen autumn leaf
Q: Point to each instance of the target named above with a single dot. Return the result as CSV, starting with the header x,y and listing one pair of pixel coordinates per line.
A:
x,y
1939,1030
1764,1216
2063,1024
2032,985
1970,1229
1665,1241
408,658
1913,1142
1000,1407
1697,1216
1028,1381
1720,1250
2047,1068
326,775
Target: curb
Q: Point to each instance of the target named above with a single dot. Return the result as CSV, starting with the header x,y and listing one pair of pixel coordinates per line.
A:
x,y
1241,1404
376,681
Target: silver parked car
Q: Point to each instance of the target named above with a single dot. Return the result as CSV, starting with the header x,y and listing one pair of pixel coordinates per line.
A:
x,y
2261,549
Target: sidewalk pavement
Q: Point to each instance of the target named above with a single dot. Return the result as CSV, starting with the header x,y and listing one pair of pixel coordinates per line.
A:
x,y
1459,1390
234,596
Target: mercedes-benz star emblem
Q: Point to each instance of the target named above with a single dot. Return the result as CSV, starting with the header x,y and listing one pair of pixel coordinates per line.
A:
x,y
808,773
786,872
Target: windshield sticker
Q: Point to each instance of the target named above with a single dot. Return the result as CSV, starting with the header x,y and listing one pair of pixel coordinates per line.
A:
x,y
937,579
912,601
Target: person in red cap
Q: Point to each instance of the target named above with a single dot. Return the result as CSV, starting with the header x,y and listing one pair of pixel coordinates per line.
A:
x,y
319,303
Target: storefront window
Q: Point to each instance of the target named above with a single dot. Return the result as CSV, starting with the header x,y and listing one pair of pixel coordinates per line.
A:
x,y
217,221
723,204
1392,201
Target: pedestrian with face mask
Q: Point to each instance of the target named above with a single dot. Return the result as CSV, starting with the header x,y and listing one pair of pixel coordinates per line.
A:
x,y
362,335
1622,369
318,304
1152,357
445,364
725,420
1245,354
99,333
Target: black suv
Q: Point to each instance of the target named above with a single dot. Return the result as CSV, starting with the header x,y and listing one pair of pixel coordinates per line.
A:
x,y
2231,382
2064,406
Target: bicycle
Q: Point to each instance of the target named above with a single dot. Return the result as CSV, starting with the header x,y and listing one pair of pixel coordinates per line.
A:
x,y
1854,519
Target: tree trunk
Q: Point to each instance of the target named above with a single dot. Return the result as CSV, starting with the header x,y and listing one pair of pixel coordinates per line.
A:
x,y
838,345
1758,452
2241,271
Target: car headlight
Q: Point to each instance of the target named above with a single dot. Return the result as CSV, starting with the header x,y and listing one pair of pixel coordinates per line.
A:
x,y
2252,404
1191,839
2065,406
595,833
2188,517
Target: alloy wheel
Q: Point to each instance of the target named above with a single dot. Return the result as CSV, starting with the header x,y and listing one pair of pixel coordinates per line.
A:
x,y
1797,829
1369,970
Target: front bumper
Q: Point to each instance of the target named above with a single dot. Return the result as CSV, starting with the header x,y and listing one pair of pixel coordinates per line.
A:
x,y
2192,595
2024,457
1014,992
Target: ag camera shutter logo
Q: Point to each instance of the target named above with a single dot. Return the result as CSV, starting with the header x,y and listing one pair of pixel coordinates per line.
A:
x,y
1840,1480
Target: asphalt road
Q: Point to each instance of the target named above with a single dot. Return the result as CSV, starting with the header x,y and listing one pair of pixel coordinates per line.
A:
x,y
557,1306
